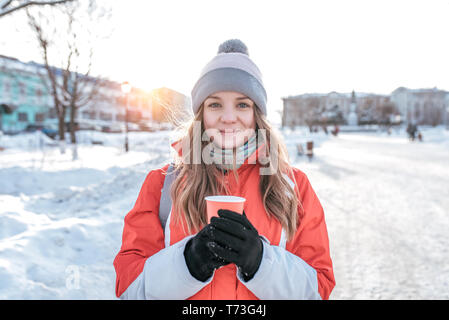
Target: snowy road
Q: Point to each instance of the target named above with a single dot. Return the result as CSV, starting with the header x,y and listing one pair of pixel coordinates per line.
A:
x,y
386,202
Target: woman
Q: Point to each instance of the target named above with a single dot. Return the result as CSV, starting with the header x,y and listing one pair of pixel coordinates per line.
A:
x,y
278,248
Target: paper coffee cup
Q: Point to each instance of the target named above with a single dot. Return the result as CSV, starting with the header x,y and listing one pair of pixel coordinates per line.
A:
x,y
215,203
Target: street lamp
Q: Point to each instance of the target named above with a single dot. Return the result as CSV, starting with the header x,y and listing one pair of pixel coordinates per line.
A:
x,y
126,89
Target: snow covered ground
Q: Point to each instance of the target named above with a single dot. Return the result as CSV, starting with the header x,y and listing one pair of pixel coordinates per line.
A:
x,y
386,202
387,210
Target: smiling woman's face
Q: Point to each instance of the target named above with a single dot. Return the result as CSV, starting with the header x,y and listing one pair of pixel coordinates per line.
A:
x,y
228,118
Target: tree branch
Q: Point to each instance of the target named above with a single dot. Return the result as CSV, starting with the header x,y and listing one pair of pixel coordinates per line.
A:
x,y
6,9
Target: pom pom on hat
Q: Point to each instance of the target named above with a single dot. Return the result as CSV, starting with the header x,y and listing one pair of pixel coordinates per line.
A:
x,y
233,45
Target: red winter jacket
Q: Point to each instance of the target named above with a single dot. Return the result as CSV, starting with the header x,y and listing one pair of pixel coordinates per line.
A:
x,y
151,265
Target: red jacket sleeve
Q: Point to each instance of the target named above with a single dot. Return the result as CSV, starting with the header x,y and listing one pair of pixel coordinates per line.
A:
x,y
142,232
311,242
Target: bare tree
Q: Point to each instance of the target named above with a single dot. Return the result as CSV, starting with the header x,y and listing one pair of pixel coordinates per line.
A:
x,y
9,6
71,84
50,79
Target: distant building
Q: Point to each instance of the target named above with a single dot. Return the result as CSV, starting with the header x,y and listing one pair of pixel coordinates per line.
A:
x,y
374,108
22,93
333,107
111,107
300,109
25,100
170,105
422,106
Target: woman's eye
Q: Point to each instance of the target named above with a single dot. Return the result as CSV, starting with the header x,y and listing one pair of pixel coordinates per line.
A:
x,y
215,105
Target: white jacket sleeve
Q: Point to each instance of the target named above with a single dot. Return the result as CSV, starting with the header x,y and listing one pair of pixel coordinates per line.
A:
x,y
165,276
283,275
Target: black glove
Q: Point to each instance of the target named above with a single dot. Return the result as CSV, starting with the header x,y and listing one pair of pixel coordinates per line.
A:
x,y
236,240
200,260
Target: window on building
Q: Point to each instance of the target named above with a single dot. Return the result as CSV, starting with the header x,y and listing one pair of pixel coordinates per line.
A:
x,y
120,100
6,88
134,116
88,114
22,92
39,117
22,116
120,117
52,114
105,116
38,95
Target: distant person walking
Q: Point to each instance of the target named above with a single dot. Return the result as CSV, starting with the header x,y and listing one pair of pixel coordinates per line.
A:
x,y
336,130
420,136
411,130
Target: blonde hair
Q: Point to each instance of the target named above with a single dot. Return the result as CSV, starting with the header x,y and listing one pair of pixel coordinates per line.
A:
x,y
279,198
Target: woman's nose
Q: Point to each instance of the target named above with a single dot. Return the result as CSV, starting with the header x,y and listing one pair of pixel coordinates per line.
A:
x,y
228,116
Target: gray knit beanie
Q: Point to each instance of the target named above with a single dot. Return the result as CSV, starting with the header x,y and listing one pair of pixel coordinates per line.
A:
x,y
230,70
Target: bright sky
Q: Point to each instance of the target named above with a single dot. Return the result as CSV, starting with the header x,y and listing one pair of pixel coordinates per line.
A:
x,y
300,46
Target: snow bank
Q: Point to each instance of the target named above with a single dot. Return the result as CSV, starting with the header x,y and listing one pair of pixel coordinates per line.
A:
x,y
61,220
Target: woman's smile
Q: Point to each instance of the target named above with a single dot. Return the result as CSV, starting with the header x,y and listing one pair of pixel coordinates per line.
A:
x,y
230,131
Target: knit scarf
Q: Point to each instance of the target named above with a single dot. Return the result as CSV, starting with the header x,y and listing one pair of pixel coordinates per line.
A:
x,y
224,158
